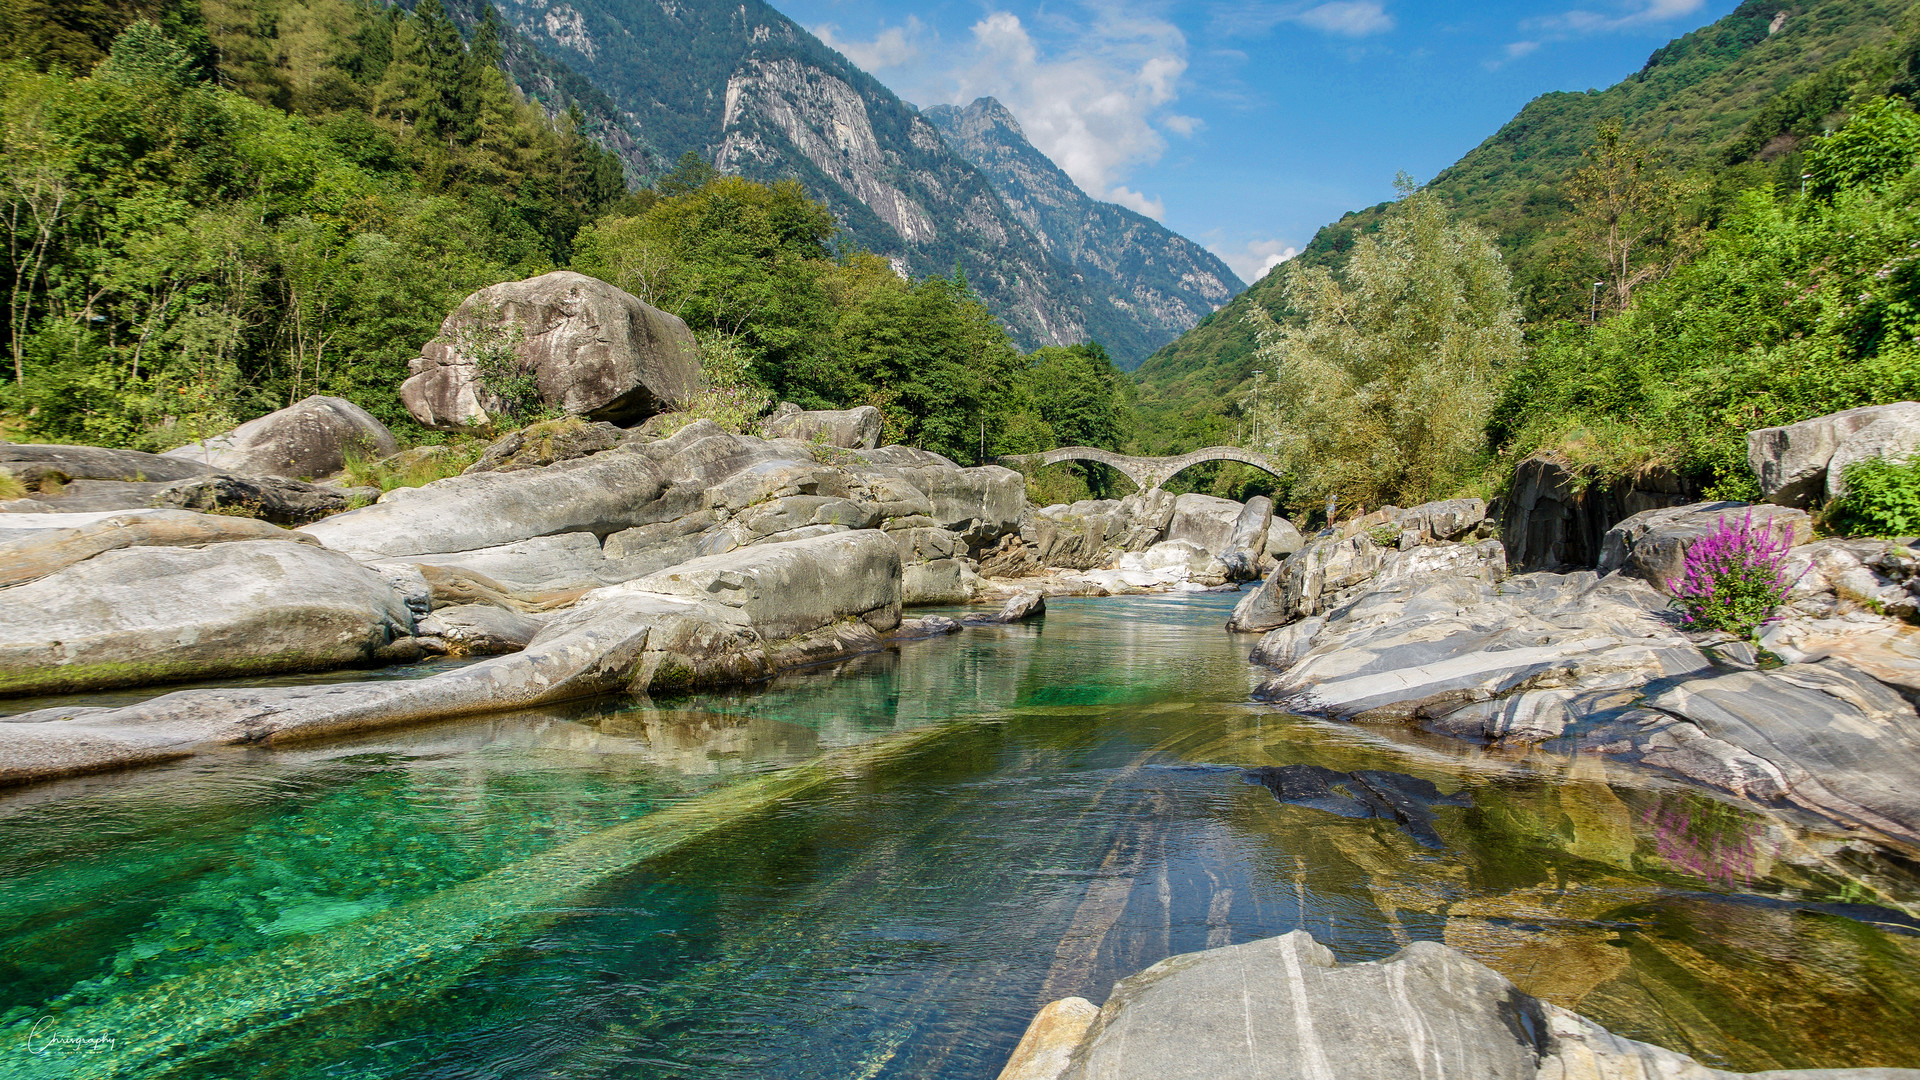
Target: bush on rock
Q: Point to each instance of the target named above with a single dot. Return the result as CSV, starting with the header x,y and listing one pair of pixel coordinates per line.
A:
x,y
1735,577
1882,498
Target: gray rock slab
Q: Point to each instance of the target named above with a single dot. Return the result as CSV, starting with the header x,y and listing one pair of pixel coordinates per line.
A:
x,y
1652,545
600,495
1284,1008
32,462
29,554
139,615
306,440
81,496
853,429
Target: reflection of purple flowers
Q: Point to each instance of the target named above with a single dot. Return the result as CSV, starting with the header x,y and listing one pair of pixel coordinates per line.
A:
x,y
1717,846
1735,576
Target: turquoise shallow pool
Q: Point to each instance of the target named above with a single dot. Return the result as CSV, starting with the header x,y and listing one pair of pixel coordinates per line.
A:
x,y
882,871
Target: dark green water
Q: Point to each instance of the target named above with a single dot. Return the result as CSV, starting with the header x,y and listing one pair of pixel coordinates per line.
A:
x,y
883,872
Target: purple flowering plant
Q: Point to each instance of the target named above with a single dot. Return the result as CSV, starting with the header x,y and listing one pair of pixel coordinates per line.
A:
x,y
1735,577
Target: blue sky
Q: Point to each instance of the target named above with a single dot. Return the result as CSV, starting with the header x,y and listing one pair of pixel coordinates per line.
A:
x,y
1248,124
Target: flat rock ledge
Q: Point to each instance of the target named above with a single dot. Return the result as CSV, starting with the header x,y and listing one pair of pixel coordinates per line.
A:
x,y
728,619
1283,1007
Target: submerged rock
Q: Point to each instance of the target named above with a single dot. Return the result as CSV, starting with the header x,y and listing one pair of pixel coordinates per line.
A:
x,y
1407,800
1284,1007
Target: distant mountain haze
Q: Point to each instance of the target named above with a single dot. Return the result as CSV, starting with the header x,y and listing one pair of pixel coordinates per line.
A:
x,y
747,88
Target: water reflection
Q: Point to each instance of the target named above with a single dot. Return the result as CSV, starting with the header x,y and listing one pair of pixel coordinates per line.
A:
x,y
689,888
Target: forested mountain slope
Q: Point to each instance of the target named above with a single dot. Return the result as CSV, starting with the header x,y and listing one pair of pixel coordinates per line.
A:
x,y
745,87
1728,102
1168,279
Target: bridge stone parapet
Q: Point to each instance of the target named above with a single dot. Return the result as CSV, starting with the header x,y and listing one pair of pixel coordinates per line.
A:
x,y
1147,473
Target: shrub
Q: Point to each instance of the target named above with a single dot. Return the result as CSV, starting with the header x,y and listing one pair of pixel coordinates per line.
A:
x,y
1735,577
1882,499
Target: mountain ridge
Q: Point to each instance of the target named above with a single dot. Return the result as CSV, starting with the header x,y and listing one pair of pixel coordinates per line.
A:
x,y
1152,266
747,88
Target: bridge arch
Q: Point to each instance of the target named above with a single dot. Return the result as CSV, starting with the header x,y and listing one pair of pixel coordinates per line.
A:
x,y
1146,473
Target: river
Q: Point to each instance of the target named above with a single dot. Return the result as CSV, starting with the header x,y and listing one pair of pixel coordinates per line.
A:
x,y
884,870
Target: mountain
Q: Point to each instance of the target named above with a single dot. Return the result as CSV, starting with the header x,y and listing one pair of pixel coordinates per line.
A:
x,y
1170,280
748,89
1728,101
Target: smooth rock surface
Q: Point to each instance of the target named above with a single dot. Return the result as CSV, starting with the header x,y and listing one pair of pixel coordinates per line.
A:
x,y
304,441
1205,521
1652,545
137,615
853,429
1283,1007
1791,462
1894,435
270,498
591,349
33,463
33,553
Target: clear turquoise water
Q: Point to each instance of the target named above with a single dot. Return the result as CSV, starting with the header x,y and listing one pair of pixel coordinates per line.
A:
x,y
883,871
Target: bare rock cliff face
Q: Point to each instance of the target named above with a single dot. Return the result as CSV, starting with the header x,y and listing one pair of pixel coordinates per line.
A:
x,y
1165,281
744,86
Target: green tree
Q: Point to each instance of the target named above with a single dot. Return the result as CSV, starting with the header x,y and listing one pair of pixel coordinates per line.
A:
x,y
1381,392
1877,145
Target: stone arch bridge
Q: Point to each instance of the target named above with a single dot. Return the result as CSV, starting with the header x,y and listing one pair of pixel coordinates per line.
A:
x,y
1146,472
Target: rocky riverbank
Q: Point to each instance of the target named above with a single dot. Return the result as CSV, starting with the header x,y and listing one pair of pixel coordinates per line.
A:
x,y
1283,1007
581,557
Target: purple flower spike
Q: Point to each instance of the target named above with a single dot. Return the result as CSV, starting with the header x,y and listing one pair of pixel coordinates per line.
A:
x,y
1735,577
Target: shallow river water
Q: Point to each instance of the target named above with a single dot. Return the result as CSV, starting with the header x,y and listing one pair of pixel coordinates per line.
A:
x,y
884,871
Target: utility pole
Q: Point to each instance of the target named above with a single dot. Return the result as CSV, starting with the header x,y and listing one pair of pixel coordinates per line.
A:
x,y
1593,314
1257,372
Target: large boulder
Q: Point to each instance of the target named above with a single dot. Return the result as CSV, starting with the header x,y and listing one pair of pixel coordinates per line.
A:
x,y
1894,436
1652,545
1284,1007
546,443
789,589
306,440
852,429
1246,550
1205,521
136,615
1793,463
592,350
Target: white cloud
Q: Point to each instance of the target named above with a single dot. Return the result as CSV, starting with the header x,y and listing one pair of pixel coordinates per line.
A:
x,y
1347,18
1623,16
1138,203
1094,105
892,47
1352,18
1182,125
1253,260
1517,49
